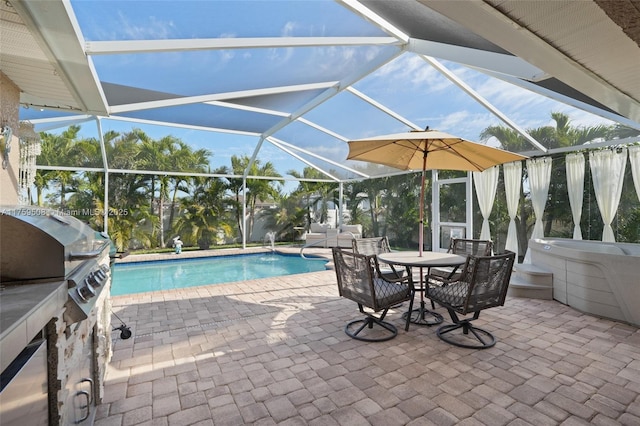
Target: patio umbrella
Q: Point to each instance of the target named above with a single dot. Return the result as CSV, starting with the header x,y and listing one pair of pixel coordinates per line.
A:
x,y
428,150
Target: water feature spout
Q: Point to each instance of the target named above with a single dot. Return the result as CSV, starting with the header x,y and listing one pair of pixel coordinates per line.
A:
x,y
271,236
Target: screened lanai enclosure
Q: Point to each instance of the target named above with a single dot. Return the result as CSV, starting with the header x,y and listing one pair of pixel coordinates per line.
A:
x,y
224,121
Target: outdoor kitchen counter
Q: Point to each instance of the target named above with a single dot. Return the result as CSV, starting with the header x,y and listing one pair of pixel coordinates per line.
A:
x,y
24,311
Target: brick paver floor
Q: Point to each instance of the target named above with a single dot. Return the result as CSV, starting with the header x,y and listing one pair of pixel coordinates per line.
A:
x,y
274,351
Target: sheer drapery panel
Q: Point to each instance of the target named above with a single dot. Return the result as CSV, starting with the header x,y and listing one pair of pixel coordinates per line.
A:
x,y
607,173
486,183
539,170
512,186
634,158
575,188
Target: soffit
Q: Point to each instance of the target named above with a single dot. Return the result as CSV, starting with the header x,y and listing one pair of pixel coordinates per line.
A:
x,y
573,41
42,54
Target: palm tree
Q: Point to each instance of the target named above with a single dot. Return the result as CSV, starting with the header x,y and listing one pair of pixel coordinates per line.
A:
x,y
354,194
285,218
184,159
258,189
238,165
204,214
375,189
56,151
154,155
318,194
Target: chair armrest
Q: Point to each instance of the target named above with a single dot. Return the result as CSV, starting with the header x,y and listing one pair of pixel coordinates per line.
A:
x,y
388,276
437,280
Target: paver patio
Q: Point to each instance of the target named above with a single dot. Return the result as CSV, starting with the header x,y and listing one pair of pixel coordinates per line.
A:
x,y
273,351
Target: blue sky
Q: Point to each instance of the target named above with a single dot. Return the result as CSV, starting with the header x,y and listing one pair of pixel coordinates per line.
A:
x,y
407,85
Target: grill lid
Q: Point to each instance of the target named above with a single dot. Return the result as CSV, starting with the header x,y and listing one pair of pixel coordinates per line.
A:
x,y
39,243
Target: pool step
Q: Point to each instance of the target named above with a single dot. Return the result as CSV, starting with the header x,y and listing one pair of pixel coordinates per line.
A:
x,y
531,282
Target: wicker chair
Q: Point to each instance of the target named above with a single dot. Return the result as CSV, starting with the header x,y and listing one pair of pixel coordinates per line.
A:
x,y
482,284
357,281
373,247
462,247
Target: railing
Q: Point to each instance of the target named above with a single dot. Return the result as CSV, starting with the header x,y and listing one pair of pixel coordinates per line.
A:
x,y
311,245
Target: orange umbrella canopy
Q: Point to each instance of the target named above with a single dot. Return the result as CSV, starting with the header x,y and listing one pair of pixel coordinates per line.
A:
x,y
428,150
407,151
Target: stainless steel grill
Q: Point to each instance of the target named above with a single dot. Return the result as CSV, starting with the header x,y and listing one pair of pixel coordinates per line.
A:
x,y
53,269
41,245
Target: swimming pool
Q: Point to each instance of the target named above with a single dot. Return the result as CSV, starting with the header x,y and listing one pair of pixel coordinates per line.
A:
x,y
140,277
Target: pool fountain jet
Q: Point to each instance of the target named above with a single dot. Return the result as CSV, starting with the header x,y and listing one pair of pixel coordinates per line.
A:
x,y
272,240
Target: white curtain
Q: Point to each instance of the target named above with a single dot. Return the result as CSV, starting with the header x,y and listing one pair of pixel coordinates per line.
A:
x,y
575,188
512,185
539,170
634,157
607,172
486,183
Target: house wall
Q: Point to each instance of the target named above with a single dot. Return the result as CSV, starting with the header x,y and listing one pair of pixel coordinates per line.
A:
x,y
9,108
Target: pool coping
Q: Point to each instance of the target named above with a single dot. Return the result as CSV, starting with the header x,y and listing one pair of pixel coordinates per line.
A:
x,y
287,250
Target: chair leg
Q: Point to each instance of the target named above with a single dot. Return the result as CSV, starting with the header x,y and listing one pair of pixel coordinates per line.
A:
x,y
481,339
406,327
385,332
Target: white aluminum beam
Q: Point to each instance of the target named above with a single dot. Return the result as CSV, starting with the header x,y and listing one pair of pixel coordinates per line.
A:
x,y
147,46
371,16
322,129
308,163
496,27
485,103
253,157
564,99
366,69
248,108
587,146
186,100
183,126
46,124
105,164
384,109
337,88
319,157
390,174
495,62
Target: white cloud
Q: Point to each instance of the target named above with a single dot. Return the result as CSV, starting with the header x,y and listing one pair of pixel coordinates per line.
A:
x,y
412,69
151,29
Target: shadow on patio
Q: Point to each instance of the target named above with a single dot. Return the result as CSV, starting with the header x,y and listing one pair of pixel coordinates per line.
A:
x,y
273,351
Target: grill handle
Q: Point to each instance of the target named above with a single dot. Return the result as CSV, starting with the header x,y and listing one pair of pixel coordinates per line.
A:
x,y
88,254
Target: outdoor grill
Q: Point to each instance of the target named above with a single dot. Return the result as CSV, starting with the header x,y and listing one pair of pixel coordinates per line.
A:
x,y
54,316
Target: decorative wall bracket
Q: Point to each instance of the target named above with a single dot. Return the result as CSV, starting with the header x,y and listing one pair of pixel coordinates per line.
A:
x,y
5,144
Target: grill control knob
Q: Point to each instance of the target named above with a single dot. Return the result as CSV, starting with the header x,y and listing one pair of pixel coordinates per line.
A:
x,y
100,275
86,291
93,280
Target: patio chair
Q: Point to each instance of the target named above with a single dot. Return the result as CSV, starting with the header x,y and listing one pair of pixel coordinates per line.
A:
x,y
373,247
357,281
482,284
462,247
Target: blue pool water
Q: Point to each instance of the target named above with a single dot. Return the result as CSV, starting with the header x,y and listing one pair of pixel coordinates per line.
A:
x,y
139,277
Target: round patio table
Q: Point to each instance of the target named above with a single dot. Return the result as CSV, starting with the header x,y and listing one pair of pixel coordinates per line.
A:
x,y
428,260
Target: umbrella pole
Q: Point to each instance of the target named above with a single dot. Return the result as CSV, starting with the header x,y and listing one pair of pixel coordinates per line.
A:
x,y
421,236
